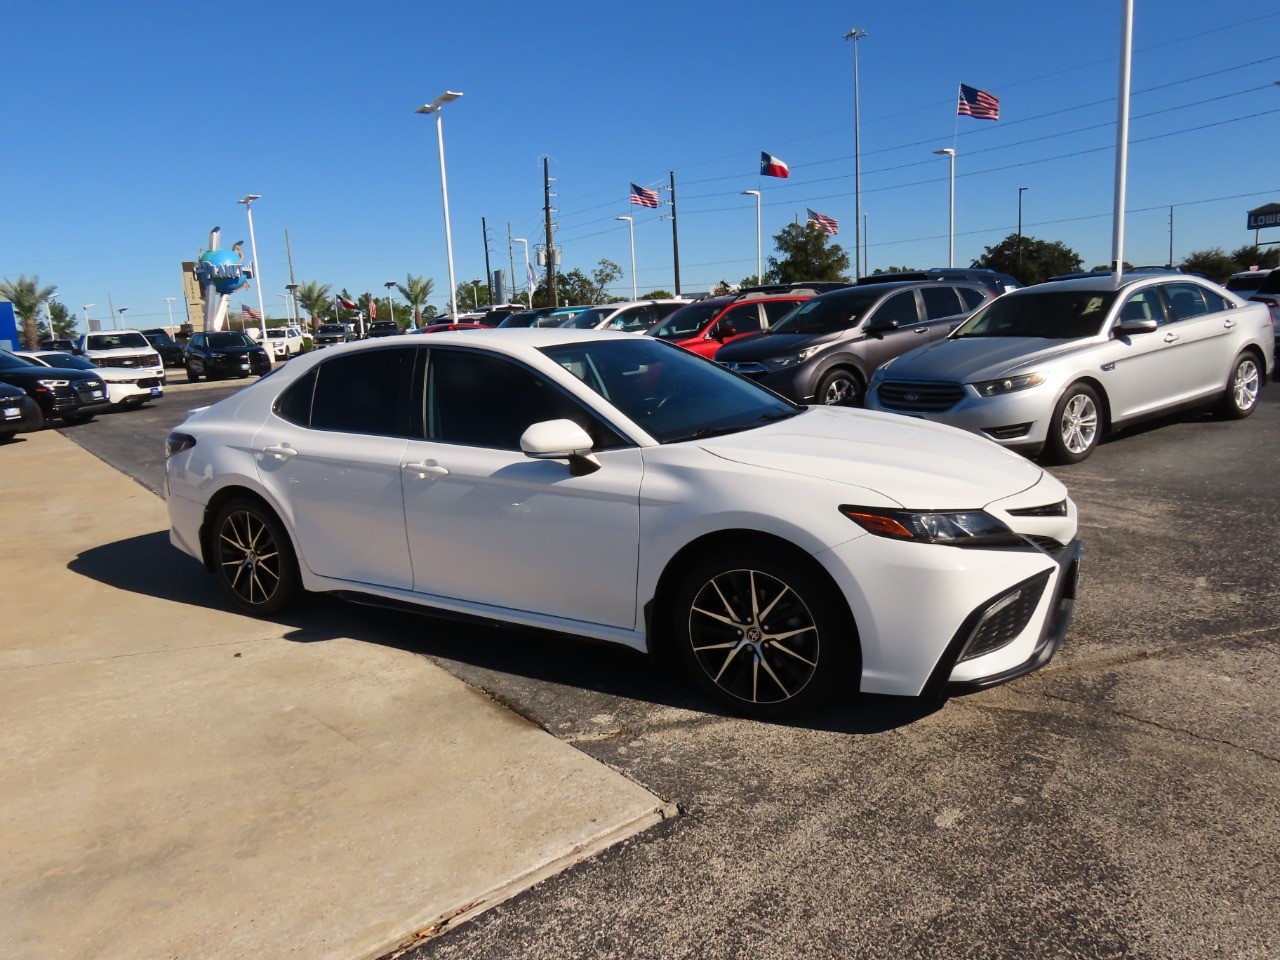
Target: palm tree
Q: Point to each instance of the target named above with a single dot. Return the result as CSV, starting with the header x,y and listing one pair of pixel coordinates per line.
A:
x,y
416,292
315,298
26,297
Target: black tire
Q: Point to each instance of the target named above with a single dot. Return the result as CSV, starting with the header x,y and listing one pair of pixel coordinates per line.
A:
x,y
192,376
7,435
1076,426
839,388
729,650
253,558
77,418
1240,398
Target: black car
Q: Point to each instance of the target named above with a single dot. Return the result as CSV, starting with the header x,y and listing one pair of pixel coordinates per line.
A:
x,y
383,328
826,349
18,412
73,395
328,334
225,353
171,352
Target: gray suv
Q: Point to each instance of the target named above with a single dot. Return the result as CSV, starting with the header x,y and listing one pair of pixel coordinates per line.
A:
x,y
826,349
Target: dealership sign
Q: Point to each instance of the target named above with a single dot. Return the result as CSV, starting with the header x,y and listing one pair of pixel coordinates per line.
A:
x,y
1264,216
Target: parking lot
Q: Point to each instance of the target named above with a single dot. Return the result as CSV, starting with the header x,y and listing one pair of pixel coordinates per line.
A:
x,y
1121,802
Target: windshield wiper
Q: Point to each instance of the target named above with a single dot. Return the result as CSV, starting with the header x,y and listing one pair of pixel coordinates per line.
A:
x,y
705,432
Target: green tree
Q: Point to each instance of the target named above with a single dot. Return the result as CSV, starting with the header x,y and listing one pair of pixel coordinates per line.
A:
x,y
605,273
895,270
1028,259
416,292
751,281
315,298
1254,256
472,296
64,323
572,289
1212,264
657,295
806,252
27,297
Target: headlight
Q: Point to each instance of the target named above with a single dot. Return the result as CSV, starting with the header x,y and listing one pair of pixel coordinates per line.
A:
x,y
54,383
969,528
791,359
998,388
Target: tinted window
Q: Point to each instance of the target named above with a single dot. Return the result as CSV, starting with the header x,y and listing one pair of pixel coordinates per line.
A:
x,y
972,298
487,401
229,339
587,319
828,313
1186,300
775,310
9,362
1248,283
899,309
117,341
1061,315
294,404
745,318
366,392
941,302
687,321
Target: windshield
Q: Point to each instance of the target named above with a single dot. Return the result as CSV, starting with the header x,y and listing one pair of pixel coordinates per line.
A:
x,y
330,328
229,338
10,362
66,361
157,338
116,341
1248,283
671,393
688,321
276,334
1060,315
587,319
828,314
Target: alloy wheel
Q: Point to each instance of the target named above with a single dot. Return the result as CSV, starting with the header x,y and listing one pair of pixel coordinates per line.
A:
x,y
249,557
1079,425
840,392
754,636
1244,388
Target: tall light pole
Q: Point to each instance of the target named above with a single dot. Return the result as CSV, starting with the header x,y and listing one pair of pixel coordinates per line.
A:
x,y
391,304
169,302
475,296
1122,140
528,287
48,306
859,261
121,310
759,264
293,297
1021,191
434,107
631,228
951,228
88,327
247,200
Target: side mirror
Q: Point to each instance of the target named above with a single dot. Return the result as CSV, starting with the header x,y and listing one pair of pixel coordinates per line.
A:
x,y
723,330
1127,328
560,440
881,326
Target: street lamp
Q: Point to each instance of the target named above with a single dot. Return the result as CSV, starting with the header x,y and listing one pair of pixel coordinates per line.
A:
x,y
293,296
87,326
121,310
48,306
475,295
859,261
391,303
631,229
247,200
759,265
169,302
1021,191
434,107
951,227
528,287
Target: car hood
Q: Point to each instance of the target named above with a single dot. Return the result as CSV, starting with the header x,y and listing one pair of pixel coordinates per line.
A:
x,y
50,373
914,463
970,359
763,345
119,352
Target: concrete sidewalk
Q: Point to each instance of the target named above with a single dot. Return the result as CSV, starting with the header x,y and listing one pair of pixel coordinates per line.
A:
x,y
180,781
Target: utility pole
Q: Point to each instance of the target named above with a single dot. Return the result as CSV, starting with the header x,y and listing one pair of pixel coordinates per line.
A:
x,y
551,250
675,233
859,265
511,261
1170,235
112,307
484,229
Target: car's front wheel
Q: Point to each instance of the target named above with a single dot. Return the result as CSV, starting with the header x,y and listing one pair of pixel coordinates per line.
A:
x,y
192,376
762,633
1076,426
1241,396
840,388
254,559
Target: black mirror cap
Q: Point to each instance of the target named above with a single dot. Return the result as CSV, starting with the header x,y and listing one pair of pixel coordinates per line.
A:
x,y
1128,328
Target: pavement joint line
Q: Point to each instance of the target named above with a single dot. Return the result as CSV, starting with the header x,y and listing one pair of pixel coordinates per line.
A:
x,y
1147,653
139,653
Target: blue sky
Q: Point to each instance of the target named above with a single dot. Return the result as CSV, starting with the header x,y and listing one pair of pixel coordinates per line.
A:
x,y
130,130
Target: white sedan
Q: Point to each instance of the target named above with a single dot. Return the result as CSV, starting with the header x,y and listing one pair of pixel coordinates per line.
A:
x,y
620,488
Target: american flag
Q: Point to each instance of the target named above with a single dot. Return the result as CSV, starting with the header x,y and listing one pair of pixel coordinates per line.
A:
x,y
249,313
823,223
642,197
977,103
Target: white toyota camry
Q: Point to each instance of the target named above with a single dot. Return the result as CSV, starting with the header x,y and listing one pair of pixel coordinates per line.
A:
x,y
620,488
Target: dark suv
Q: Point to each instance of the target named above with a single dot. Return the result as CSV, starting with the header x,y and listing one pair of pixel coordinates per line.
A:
x,y
383,328
329,334
169,349
73,395
826,349
224,353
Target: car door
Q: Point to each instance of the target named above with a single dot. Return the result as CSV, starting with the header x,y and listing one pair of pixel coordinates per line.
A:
x,y
330,453
742,318
1207,342
488,525
881,346
1141,373
943,310
195,354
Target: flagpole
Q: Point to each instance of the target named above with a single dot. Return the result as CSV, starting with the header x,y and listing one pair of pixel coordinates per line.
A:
x,y
1122,141
855,35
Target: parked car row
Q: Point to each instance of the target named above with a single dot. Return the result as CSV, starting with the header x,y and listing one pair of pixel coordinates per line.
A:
x,y
71,395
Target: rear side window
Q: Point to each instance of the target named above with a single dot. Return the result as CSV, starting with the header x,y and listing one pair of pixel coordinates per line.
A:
x,y
367,392
294,404
972,298
941,302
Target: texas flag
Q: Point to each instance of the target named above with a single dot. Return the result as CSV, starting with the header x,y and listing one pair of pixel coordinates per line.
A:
x,y
772,167
343,302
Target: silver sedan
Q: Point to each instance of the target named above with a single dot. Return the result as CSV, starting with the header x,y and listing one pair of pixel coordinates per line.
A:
x,y
1050,369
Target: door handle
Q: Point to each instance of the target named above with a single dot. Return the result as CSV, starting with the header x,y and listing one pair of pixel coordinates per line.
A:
x,y
1171,337
280,451
922,329
428,468
1228,324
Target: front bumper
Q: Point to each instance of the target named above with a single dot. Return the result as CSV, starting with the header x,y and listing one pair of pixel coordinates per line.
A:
x,y
149,388
795,383
1017,420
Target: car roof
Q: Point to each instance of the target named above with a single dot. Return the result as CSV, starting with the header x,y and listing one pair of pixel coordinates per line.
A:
x,y
1104,283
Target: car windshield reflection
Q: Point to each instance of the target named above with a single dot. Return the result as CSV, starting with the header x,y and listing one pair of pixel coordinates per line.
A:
x,y
1060,315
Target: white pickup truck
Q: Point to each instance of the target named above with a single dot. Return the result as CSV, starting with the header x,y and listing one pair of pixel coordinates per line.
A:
x,y
282,342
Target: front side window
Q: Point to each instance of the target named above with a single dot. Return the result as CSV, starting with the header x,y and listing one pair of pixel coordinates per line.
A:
x,y
486,401
635,319
367,392
899,309
744,318
587,319
1186,300
688,320
1144,305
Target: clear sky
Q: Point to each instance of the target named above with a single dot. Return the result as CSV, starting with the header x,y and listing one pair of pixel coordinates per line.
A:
x,y
131,129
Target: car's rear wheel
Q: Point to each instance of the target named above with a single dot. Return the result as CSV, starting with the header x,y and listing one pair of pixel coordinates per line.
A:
x,y
1241,396
840,388
1076,426
254,559
763,634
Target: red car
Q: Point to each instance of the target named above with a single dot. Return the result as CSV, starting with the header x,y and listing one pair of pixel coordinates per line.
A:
x,y
441,327
705,326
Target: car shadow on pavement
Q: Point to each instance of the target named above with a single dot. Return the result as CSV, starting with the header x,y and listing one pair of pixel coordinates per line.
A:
x,y
523,668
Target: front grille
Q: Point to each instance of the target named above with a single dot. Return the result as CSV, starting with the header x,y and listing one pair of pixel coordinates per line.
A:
x,y
922,397
1005,618
149,382
120,362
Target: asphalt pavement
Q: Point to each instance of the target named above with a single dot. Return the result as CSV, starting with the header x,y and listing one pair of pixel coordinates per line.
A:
x,y
1123,802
